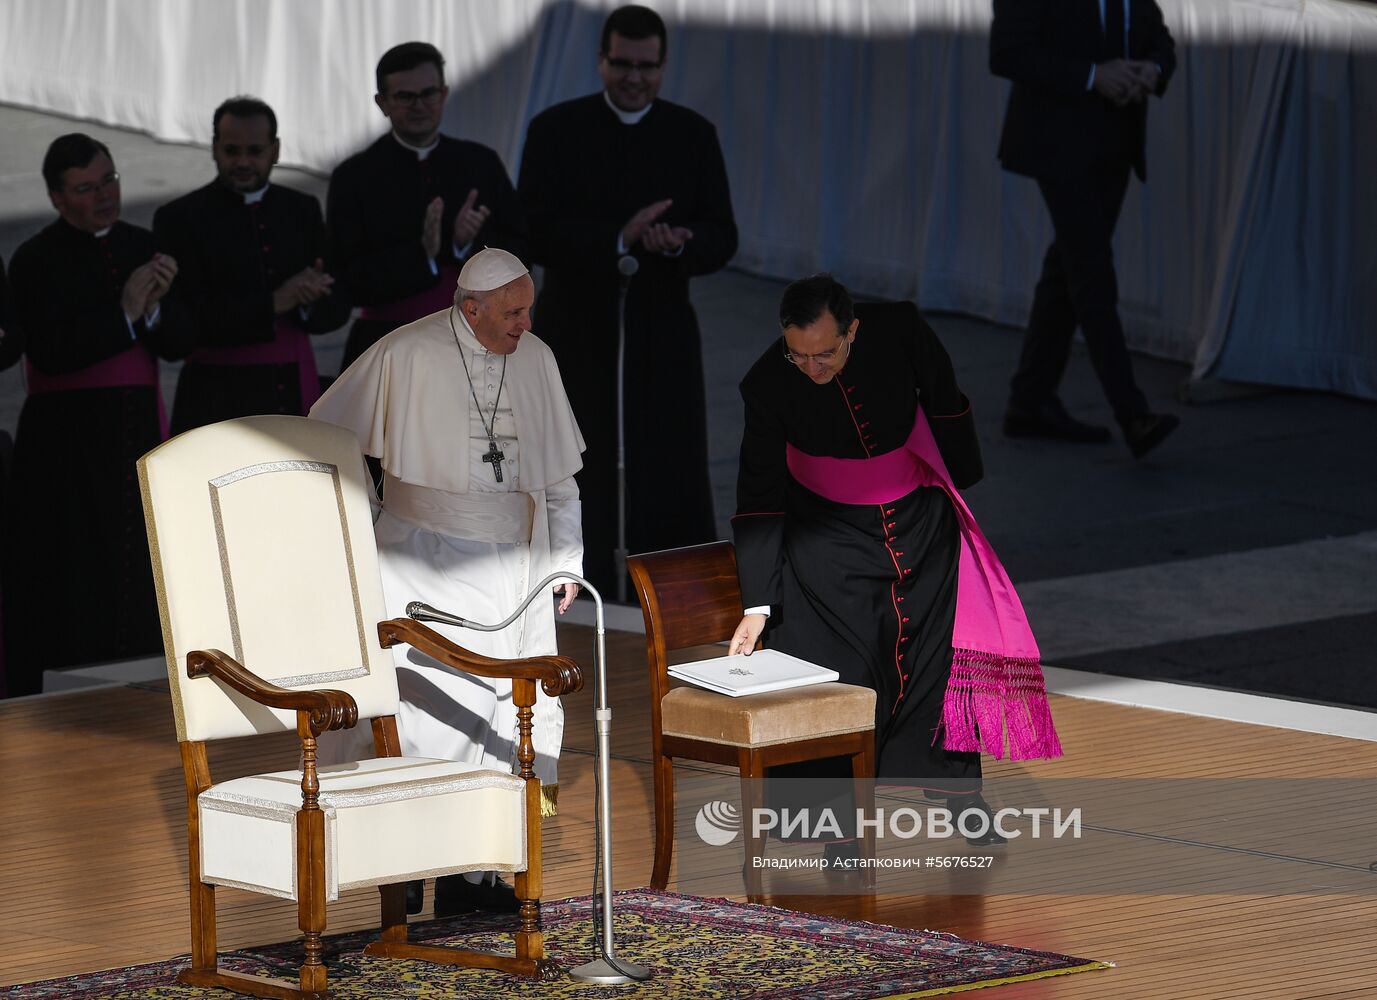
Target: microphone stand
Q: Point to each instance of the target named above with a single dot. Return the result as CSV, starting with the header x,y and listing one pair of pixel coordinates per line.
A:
x,y
606,969
627,266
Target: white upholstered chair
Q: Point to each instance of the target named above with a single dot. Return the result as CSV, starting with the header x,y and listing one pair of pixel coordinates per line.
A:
x,y
262,542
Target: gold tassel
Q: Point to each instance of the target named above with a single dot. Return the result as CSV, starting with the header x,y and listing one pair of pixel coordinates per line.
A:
x,y
549,800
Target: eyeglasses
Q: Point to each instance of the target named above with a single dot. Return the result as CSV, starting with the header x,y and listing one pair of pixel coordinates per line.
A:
x,y
254,151
409,97
91,187
822,357
627,65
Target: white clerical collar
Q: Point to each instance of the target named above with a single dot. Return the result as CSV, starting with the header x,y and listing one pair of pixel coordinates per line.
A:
x,y
627,117
421,151
254,197
465,333
100,234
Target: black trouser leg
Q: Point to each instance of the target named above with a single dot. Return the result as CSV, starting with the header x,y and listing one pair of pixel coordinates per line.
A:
x,y
1084,211
1047,340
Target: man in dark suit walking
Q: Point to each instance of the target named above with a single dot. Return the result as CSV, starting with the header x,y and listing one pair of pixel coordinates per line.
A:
x,y
1082,71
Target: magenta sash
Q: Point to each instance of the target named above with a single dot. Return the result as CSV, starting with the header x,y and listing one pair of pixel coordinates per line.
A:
x,y
413,307
290,345
996,690
133,367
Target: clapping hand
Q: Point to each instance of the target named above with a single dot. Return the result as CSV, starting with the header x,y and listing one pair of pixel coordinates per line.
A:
x,y
146,285
430,228
470,219
639,224
308,285
662,238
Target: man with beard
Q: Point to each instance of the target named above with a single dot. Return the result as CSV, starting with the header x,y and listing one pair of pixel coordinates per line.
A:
x,y
407,212
605,176
252,274
91,306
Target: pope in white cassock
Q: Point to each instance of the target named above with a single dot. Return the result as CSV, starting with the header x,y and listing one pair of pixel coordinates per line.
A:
x,y
467,414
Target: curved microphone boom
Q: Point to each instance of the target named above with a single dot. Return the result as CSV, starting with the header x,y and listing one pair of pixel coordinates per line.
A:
x,y
627,266
606,969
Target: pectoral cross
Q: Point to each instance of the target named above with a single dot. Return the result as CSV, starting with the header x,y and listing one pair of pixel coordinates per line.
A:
x,y
494,458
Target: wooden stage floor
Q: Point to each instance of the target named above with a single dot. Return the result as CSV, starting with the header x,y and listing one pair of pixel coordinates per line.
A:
x,y
93,863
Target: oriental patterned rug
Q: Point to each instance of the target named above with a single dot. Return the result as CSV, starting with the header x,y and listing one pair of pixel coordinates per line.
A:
x,y
712,949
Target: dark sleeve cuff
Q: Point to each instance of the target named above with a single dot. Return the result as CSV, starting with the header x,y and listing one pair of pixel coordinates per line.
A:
x,y
960,448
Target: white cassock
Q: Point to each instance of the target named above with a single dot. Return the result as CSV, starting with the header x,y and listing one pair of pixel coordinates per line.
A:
x,y
451,535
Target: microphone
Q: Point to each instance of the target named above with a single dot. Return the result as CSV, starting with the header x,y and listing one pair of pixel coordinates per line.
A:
x,y
627,266
425,613
607,968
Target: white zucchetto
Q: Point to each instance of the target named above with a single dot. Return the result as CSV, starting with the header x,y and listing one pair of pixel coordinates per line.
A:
x,y
491,268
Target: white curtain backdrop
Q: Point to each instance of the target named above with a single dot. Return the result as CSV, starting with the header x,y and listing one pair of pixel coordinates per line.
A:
x,y
860,138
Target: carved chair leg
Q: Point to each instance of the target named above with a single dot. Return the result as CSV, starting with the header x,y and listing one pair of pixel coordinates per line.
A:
x,y
310,896
530,939
664,821
196,772
202,922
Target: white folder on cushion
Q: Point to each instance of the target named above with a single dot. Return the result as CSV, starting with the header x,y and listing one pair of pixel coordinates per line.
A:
x,y
762,671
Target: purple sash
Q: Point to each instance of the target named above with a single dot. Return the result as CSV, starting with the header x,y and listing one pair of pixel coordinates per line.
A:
x,y
996,688
413,307
291,345
133,367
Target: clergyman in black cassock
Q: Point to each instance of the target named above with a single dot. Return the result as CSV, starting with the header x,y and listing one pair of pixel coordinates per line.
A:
x,y
614,173
10,347
1077,123
251,272
404,214
90,303
869,591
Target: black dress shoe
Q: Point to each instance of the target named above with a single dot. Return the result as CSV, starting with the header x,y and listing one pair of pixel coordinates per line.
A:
x,y
959,804
455,894
1148,431
1050,420
415,895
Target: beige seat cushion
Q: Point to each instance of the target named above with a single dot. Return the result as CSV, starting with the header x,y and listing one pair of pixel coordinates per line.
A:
x,y
760,720
386,820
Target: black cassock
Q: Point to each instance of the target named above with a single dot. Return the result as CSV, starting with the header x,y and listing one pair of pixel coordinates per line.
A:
x,y
10,352
231,257
583,175
868,590
375,213
11,347
78,587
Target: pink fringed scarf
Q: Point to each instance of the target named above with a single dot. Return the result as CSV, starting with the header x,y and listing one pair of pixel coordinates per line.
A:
x,y
996,692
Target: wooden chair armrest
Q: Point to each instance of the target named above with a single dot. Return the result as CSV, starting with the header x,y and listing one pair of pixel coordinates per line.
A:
x,y
557,674
327,708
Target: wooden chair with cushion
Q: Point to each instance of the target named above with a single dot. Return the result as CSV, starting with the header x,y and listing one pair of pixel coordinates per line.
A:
x,y
691,597
262,543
